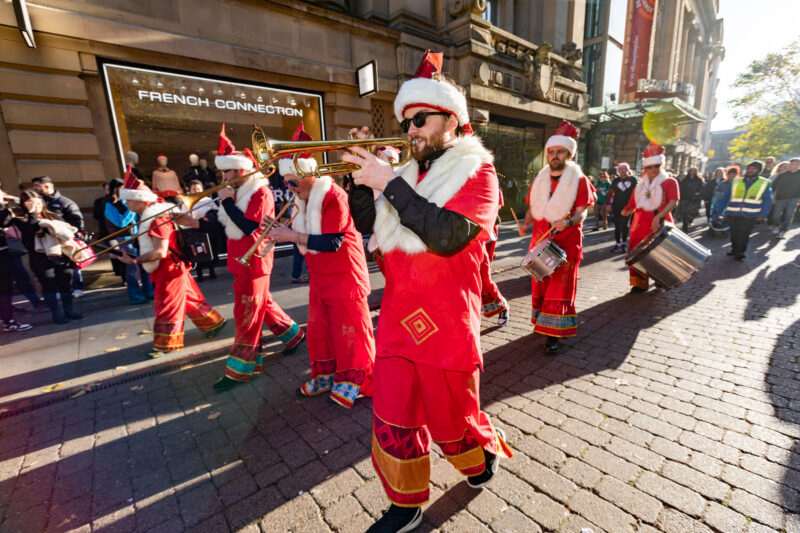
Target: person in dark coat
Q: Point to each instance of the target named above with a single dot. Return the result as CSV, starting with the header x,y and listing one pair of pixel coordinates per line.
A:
x,y
692,188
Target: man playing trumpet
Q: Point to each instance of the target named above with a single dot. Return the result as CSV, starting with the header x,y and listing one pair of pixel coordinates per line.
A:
x,y
243,212
341,348
176,292
430,223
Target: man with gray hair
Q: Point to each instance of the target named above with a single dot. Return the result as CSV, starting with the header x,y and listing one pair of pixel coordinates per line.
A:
x,y
787,195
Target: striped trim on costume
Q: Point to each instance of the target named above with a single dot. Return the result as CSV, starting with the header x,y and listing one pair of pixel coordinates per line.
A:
x,y
406,481
207,318
290,334
554,325
167,336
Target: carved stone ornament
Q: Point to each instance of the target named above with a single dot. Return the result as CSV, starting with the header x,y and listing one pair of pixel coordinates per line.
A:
x,y
461,7
542,77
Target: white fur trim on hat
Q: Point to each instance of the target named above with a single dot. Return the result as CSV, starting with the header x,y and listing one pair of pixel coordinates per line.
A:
x,y
654,160
233,162
306,165
431,93
141,195
562,140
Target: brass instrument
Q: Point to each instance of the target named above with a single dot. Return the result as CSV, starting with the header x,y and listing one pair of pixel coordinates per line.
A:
x,y
268,151
270,223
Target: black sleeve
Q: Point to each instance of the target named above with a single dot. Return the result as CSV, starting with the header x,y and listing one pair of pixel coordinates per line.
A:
x,y
444,232
325,242
72,213
246,225
362,208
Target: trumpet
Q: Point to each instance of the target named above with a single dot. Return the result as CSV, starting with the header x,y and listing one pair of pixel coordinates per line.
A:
x,y
268,151
270,223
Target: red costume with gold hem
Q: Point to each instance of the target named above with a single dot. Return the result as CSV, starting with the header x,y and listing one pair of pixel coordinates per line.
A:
x,y
341,346
552,199
493,302
253,305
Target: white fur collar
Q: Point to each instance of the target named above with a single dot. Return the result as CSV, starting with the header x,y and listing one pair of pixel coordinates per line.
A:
x,y
444,179
309,215
243,195
649,193
150,213
559,205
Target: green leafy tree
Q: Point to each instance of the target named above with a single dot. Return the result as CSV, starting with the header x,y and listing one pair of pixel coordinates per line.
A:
x,y
769,104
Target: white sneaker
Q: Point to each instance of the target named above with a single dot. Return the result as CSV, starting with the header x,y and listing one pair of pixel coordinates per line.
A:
x,y
13,326
77,293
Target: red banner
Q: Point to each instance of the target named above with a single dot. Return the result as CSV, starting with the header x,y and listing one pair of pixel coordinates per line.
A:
x,y
638,45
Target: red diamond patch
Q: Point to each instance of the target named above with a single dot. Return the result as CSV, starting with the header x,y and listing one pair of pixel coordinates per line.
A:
x,y
419,325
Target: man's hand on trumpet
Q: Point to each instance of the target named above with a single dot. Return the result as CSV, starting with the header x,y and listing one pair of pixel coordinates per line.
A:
x,y
281,233
375,172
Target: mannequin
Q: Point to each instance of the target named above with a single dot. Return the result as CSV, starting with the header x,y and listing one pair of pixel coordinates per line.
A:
x,y
194,172
132,159
165,182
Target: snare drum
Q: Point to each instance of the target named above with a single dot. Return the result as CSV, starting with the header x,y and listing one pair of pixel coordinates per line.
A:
x,y
543,259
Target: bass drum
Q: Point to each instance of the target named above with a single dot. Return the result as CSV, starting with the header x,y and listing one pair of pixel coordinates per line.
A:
x,y
669,256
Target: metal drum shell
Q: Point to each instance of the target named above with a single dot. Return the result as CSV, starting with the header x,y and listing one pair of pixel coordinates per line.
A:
x,y
670,257
540,267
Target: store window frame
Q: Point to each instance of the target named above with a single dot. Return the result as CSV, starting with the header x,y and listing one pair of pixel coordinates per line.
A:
x,y
103,63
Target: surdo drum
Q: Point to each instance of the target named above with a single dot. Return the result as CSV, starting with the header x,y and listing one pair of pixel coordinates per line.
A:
x,y
669,256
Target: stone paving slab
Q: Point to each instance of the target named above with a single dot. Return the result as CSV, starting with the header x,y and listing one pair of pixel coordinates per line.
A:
x,y
671,411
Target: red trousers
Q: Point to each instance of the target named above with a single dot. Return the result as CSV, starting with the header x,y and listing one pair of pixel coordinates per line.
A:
x,y
413,404
641,228
341,348
492,302
253,306
177,295
553,302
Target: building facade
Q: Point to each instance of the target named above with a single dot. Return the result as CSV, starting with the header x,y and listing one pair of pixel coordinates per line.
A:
x,y
667,91
111,76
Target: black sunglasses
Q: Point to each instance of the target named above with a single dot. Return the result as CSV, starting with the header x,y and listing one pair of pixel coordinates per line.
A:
x,y
419,119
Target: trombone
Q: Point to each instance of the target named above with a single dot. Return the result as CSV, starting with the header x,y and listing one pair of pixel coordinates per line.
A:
x,y
270,223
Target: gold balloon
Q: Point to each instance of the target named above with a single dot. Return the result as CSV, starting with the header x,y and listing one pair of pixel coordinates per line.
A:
x,y
660,127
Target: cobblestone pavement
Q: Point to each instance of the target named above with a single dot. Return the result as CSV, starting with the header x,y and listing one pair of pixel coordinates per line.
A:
x,y
674,411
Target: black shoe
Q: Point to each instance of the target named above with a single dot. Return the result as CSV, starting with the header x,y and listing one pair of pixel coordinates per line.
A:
x,y
72,315
552,345
638,290
729,252
502,318
739,257
492,461
225,384
398,520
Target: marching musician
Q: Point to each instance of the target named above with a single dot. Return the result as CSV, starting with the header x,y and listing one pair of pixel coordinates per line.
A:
x,y
558,201
655,196
341,347
243,212
492,301
176,293
430,222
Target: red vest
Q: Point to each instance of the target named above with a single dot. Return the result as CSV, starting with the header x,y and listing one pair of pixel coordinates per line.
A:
x,y
261,204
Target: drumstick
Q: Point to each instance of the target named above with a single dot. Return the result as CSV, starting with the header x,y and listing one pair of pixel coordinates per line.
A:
x,y
520,229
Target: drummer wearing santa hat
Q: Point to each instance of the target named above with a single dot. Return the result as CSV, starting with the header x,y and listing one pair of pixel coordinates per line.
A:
x,y
655,196
341,347
558,201
430,222
243,213
176,292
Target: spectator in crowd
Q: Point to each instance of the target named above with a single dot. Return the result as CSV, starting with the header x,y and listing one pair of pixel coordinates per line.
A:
x,y
722,191
205,212
749,202
65,209
691,197
118,216
779,169
618,195
6,272
132,160
98,211
787,195
602,184
709,188
769,166
41,231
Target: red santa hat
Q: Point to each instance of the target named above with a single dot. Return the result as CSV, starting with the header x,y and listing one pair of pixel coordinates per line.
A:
x,y
653,155
428,89
304,164
135,189
228,158
566,136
